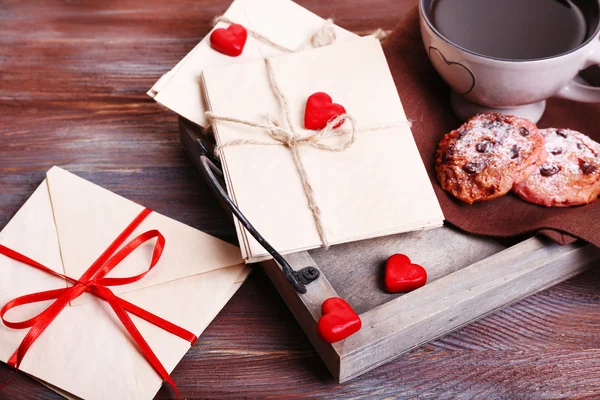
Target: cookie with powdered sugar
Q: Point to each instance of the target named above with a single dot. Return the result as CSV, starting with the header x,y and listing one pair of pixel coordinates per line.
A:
x,y
570,175
487,155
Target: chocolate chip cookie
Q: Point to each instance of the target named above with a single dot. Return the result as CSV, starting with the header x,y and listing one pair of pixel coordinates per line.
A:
x,y
569,176
487,155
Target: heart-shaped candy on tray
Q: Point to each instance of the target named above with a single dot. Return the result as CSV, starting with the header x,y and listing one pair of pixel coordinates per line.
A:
x,y
229,41
320,109
402,276
338,320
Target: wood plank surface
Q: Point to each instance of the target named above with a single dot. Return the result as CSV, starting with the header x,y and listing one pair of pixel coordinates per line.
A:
x,y
443,251
73,77
460,298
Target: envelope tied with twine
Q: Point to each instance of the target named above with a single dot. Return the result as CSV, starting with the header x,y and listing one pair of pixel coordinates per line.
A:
x,y
304,189
275,27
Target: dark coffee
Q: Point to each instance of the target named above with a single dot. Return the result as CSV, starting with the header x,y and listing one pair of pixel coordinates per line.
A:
x,y
512,29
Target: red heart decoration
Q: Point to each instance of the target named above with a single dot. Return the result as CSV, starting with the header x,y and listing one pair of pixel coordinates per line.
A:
x,y
338,320
229,41
402,276
320,109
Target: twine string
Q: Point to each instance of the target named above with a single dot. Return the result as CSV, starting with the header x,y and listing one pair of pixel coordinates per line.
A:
x,y
323,37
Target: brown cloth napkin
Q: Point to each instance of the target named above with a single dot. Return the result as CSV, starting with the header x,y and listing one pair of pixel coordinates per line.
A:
x,y
426,101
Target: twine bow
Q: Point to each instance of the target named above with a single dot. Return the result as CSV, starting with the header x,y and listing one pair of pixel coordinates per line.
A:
x,y
287,136
95,282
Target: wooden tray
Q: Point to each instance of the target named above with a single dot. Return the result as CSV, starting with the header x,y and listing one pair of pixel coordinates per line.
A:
x,y
469,277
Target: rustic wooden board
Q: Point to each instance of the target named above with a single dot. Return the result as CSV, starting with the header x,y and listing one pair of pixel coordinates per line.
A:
x,y
469,277
458,299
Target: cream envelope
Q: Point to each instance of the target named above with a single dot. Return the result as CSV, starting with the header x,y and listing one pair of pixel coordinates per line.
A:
x,y
85,351
376,187
282,21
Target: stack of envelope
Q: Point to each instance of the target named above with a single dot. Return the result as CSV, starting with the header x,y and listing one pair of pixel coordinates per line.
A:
x,y
377,187
85,352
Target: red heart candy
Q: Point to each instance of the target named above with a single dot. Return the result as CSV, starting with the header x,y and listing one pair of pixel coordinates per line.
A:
x,y
338,320
229,41
320,110
402,276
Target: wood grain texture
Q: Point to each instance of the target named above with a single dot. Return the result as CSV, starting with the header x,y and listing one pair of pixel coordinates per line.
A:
x,y
459,299
73,77
443,251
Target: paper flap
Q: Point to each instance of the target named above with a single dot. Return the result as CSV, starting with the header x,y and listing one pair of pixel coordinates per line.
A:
x,y
89,218
30,232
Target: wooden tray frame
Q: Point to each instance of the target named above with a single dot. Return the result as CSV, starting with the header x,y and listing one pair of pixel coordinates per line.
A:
x,y
440,307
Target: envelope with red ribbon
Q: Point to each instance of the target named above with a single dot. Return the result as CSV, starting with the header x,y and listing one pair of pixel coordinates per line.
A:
x,y
101,297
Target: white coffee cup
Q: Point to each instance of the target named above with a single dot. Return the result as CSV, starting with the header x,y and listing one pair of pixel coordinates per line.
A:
x,y
518,87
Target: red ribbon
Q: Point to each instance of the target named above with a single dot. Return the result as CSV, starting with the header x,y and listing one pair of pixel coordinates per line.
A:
x,y
94,281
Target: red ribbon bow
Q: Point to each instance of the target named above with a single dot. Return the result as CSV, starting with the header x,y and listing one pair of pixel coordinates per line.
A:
x,y
94,281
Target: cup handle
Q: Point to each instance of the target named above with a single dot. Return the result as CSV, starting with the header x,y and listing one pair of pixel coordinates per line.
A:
x,y
579,92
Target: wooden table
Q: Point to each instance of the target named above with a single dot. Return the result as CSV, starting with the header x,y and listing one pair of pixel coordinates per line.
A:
x,y
73,77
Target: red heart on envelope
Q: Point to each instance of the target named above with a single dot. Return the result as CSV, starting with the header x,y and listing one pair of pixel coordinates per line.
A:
x,y
229,41
338,320
402,276
320,109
